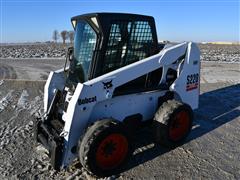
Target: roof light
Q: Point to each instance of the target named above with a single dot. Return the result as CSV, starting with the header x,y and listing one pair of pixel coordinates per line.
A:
x,y
74,22
94,20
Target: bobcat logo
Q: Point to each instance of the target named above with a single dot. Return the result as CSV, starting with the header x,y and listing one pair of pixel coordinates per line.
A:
x,y
87,100
107,85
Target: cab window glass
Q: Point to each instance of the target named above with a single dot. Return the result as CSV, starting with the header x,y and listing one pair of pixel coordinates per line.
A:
x,y
129,41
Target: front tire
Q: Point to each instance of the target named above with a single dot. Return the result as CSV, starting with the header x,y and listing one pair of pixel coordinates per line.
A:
x,y
172,123
104,148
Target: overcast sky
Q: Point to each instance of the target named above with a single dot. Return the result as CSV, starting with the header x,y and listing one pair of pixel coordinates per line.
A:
x,y
176,20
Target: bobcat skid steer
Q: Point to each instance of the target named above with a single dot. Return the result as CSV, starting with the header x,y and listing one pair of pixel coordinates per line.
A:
x,y
118,77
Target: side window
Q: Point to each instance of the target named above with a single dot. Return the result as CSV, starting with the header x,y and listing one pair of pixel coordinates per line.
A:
x,y
113,55
141,42
128,42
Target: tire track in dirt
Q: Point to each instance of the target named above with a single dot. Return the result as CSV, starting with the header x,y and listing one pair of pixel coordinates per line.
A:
x,y
7,72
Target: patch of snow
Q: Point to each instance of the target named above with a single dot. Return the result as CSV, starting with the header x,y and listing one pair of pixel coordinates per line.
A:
x,y
5,101
1,82
22,101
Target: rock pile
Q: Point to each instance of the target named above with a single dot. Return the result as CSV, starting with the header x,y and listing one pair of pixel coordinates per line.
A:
x,y
50,50
209,52
217,52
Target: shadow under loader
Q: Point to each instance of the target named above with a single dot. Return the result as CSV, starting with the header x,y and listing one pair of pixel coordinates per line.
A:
x,y
216,108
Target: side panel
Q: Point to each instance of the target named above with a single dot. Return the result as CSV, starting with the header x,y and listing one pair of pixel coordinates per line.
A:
x,y
120,107
187,85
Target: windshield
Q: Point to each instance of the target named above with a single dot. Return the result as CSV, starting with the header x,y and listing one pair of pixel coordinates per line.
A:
x,y
84,45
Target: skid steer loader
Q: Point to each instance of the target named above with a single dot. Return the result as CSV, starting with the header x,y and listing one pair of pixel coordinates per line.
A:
x,y
118,77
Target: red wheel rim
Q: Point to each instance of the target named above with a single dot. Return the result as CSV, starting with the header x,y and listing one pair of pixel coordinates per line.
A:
x,y
112,151
179,126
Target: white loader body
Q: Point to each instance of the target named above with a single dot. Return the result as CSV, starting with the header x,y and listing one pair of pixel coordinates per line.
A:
x,y
93,100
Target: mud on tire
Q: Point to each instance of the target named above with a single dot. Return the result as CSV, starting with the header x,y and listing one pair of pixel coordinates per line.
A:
x,y
172,123
105,148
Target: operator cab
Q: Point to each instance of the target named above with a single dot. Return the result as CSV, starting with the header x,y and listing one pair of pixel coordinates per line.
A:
x,y
108,41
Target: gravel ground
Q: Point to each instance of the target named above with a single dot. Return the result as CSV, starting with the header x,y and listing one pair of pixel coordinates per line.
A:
x,y
218,52
210,52
212,151
28,69
38,50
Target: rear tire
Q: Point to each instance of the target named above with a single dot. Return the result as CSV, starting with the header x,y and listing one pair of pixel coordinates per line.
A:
x,y
172,123
104,148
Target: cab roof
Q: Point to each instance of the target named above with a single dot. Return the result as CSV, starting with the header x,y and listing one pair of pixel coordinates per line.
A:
x,y
110,15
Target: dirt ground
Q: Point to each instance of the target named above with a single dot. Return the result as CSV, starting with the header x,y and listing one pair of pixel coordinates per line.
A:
x,y
212,151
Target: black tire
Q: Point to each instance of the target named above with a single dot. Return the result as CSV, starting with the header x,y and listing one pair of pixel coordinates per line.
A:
x,y
104,141
172,123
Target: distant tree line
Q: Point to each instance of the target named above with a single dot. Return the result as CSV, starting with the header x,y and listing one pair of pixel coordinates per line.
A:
x,y
64,35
